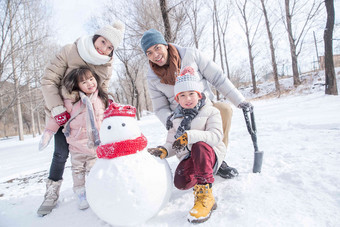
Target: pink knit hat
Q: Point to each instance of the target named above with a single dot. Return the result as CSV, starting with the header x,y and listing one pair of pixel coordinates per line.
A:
x,y
115,109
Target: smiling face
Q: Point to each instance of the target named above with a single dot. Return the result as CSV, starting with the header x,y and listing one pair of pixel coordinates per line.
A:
x,y
88,83
103,46
158,54
188,99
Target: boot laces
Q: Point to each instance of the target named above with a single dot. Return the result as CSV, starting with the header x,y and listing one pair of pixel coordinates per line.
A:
x,y
200,193
51,192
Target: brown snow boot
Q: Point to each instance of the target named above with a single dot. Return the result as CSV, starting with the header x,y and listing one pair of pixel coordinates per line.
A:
x,y
204,204
50,198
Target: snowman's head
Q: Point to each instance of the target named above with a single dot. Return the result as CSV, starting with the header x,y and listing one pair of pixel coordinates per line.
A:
x,y
119,124
115,129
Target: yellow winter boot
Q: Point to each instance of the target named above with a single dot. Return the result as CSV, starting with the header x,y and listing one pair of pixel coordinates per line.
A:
x,y
204,204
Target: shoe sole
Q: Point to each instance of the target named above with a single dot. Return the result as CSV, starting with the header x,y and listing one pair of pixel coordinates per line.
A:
x,y
201,220
42,213
226,177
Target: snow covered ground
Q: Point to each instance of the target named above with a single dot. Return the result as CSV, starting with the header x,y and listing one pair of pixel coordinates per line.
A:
x,y
299,184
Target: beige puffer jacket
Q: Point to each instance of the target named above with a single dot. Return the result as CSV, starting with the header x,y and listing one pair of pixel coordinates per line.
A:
x,y
205,127
65,61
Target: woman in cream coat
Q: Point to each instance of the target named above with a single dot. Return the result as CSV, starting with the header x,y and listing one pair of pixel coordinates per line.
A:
x,y
95,52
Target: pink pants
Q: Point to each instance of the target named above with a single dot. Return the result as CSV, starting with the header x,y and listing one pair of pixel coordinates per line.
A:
x,y
197,169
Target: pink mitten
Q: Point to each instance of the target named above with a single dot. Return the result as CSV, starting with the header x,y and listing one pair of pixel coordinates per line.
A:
x,y
45,139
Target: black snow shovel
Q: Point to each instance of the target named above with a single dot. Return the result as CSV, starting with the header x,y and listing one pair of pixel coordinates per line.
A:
x,y
258,155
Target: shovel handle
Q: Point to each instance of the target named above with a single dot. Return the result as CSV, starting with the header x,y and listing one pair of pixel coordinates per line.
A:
x,y
251,126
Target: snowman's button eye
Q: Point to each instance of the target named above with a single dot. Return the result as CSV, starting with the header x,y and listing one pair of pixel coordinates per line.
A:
x,y
123,124
109,127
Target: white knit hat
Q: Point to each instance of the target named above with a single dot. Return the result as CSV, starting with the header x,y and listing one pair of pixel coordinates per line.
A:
x,y
188,80
113,33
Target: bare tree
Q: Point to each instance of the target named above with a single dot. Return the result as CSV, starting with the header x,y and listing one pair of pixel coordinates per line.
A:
x,y
193,16
224,26
165,15
296,41
219,42
242,7
331,85
221,16
19,63
15,76
272,49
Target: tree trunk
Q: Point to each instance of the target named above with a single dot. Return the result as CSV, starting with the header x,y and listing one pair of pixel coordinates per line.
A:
x,y
214,36
249,45
31,100
39,122
147,105
292,44
226,56
16,80
331,85
218,35
165,16
272,49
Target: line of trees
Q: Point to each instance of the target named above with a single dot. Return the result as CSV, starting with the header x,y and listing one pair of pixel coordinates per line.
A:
x,y
24,52
272,33
276,33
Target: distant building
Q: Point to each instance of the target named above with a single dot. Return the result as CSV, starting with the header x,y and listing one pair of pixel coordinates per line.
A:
x,y
336,60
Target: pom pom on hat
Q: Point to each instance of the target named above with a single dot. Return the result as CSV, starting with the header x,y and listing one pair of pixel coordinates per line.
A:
x,y
151,37
115,109
114,33
188,80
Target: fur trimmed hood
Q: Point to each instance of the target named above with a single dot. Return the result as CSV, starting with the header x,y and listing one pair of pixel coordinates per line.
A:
x,y
73,96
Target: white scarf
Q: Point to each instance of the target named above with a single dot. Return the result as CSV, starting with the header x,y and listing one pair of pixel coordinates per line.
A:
x,y
88,53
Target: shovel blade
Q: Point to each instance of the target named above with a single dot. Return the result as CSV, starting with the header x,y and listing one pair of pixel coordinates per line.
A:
x,y
258,157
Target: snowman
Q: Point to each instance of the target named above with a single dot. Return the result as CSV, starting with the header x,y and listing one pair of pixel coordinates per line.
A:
x,y
127,185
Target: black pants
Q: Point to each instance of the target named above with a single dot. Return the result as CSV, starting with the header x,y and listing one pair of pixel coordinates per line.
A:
x,y
60,156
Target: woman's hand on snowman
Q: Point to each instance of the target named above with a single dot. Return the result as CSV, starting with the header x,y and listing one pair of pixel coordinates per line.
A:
x,y
160,152
60,115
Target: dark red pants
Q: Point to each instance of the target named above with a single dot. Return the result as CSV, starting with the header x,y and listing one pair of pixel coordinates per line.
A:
x,y
197,169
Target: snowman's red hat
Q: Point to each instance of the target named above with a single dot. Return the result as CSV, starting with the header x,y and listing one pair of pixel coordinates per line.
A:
x,y
115,109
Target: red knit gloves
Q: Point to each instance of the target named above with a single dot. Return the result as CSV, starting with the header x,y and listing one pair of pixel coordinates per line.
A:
x,y
60,115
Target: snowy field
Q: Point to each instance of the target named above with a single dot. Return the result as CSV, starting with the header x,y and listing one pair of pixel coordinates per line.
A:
x,y
299,184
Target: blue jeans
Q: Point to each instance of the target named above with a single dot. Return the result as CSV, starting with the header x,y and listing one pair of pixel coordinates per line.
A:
x,y
60,156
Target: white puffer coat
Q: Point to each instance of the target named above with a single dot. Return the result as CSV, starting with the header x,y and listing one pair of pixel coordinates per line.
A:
x,y
162,95
205,127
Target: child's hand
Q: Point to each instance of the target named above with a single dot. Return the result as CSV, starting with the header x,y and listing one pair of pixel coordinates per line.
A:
x,y
158,152
60,115
181,142
45,139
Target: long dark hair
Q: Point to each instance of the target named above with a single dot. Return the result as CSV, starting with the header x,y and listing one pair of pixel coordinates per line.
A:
x,y
95,37
72,79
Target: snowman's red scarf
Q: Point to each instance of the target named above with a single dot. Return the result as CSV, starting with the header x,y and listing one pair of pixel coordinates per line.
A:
x,y
122,148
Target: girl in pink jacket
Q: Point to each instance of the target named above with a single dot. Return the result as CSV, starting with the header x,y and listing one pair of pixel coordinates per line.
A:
x,y
85,102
